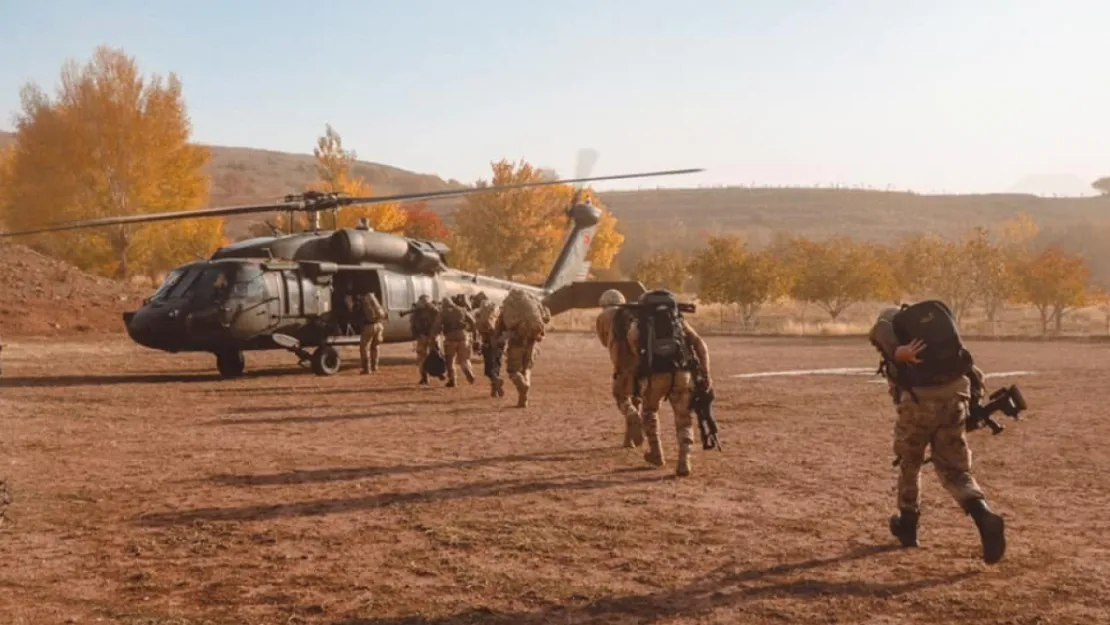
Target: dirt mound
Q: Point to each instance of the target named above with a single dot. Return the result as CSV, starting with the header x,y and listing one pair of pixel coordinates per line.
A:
x,y
43,296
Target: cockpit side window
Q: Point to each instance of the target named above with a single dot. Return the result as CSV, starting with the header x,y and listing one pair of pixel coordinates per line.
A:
x,y
168,284
185,283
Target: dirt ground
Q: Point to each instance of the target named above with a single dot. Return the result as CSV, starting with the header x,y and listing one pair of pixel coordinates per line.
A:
x,y
146,491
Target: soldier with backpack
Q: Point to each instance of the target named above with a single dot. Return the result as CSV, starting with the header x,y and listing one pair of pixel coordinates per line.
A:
x,y
671,359
612,330
456,323
932,378
523,322
373,317
423,319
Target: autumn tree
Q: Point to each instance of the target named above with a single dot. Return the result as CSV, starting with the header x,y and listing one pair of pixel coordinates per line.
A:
x,y
1102,185
834,274
422,223
729,273
663,270
1100,298
1054,281
334,174
110,143
520,231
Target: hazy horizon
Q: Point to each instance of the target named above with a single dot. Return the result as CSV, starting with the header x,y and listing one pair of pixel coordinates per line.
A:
x,y
939,97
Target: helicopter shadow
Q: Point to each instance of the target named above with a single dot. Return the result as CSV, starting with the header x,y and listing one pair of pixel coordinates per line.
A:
x,y
290,420
719,589
319,476
322,507
64,381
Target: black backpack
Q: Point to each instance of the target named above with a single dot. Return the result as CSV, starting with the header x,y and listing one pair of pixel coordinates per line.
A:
x,y
944,357
662,337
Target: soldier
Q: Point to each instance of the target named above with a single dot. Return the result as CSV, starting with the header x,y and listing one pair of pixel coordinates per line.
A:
x,y
492,345
522,325
671,372
612,328
456,324
373,317
932,410
423,318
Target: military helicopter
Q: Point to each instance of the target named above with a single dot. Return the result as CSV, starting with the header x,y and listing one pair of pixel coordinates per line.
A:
x,y
287,291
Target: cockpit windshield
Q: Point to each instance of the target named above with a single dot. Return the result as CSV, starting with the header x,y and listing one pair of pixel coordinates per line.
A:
x,y
212,282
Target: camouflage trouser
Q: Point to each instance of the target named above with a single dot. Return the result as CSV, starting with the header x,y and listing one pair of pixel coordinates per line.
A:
x,y
520,357
678,389
937,419
423,348
624,392
492,351
457,352
372,334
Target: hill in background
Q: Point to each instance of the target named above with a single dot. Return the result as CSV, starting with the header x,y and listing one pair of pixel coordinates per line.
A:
x,y
653,219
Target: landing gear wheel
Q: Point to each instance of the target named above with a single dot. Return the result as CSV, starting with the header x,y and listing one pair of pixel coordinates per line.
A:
x,y
230,364
325,361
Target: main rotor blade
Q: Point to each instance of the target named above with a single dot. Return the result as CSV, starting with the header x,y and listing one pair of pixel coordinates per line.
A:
x,y
150,217
587,158
323,203
344,201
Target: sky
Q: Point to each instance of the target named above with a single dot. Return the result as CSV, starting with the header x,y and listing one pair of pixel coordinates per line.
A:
x,y
941,96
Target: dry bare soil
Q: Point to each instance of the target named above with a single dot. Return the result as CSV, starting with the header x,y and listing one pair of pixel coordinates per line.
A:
x,y
146,491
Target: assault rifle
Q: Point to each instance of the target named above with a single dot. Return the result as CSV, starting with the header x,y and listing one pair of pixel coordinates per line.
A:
x,y
702,404
1007,400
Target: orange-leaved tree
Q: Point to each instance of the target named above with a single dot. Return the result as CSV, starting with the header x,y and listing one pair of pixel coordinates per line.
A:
x,y
1054,281
666,269
834,274
422,223
518,232
111,143
334,174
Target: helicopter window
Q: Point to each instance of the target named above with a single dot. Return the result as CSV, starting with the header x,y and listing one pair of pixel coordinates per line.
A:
x,y
398,292
251,289
170,281
186,282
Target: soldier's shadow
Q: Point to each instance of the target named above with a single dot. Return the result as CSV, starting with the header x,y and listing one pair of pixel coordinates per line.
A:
x,y
722,588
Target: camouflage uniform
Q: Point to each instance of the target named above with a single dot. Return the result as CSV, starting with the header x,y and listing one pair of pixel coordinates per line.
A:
x,y
938,418
624,368
423,318
373,331
520,355
456,324
490,343
678,389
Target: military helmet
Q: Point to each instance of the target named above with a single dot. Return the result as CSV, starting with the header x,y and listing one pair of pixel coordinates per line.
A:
x,y
882,331
612,297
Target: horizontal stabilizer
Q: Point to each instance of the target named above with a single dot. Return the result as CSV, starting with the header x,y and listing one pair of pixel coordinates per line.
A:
x,y
585,295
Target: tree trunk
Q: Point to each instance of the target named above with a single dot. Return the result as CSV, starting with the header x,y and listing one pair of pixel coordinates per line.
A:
x,y
1044,319
1059,315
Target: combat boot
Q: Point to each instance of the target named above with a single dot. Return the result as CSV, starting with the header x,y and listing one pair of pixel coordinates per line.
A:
x,y
424,379
365,367
469,376
992,529
904,527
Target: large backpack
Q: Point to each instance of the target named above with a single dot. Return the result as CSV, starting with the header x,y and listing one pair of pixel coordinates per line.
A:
x,y
944,357
662,345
